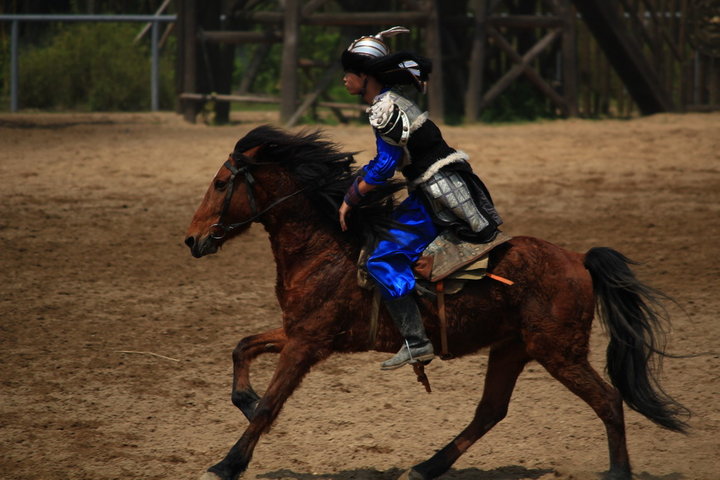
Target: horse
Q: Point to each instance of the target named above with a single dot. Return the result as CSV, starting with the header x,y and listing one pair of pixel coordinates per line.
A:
x,y
293,184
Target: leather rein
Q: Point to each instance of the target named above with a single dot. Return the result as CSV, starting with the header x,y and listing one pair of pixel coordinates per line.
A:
x,y
239,164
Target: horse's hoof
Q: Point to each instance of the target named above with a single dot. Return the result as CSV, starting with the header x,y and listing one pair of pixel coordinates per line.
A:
x,y
209,476
411,475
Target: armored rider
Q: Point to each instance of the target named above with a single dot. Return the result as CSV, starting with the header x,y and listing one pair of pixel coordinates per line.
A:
x,y
443,191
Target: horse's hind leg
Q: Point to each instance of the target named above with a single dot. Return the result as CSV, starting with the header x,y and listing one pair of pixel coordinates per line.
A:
x,y
582,379
504,366
243,395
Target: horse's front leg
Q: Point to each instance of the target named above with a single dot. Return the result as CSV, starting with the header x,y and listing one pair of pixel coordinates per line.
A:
x,y
296,359
243,395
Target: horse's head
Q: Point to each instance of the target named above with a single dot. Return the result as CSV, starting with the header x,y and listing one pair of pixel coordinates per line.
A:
x,y
243,189
267,168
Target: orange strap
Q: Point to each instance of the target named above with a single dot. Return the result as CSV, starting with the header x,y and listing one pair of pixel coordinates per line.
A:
x,y
500,279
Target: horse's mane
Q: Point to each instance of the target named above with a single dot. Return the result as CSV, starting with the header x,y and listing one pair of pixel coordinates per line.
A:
x,y
327,172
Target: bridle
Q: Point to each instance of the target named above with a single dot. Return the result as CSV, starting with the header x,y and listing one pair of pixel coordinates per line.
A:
x,y
239,164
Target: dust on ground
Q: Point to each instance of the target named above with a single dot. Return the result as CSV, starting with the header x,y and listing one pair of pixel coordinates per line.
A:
x,y
116,343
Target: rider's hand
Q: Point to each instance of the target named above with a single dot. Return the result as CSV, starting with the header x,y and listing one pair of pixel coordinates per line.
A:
x,y
344,209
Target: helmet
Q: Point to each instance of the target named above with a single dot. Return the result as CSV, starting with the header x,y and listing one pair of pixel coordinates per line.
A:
x,y
372,56
374,46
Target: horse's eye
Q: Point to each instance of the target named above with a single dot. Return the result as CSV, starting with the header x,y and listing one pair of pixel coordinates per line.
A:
x,y
220,184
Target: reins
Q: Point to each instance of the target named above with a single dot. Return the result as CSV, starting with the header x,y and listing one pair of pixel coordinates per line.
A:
x,y
244,170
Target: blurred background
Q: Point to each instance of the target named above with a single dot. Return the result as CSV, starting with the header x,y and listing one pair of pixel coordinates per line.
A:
x,y
495,60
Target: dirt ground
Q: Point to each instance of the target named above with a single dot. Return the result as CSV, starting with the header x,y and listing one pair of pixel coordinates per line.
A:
x,y
116,342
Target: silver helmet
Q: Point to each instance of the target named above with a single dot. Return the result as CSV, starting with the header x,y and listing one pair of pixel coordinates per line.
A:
x,y
374,46
370,55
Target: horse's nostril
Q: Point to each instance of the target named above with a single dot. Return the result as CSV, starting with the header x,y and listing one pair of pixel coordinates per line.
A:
x,y
190,242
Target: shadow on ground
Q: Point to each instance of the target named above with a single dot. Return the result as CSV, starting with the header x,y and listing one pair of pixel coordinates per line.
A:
x,y
502,473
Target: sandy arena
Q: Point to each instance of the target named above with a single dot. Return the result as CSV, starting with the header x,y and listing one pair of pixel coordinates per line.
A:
x,y
116,343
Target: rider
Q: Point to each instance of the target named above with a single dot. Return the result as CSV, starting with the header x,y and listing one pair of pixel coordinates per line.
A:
x,y
444,193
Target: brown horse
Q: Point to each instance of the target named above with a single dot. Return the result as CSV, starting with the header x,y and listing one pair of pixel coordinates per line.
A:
x,y
293,186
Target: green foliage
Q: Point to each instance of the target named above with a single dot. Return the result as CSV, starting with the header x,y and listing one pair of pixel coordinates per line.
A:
x,y
520,102
268,76
317,44
92,66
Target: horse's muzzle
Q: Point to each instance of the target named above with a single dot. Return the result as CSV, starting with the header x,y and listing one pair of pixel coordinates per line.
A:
x,y
201,247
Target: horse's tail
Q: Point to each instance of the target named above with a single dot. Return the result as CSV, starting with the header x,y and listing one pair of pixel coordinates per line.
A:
x,y
633,315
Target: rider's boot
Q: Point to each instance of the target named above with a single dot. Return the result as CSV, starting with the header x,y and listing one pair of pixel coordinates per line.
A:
x,y
406,316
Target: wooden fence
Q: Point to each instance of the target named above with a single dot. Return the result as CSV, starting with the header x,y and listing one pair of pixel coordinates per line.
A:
x,y
672,34
585,57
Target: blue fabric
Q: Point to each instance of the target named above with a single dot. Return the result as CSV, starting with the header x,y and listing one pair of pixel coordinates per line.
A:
x,y
383,166
390,264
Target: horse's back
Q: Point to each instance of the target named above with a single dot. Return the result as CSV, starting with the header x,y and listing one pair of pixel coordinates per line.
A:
x,y
534,261
552,294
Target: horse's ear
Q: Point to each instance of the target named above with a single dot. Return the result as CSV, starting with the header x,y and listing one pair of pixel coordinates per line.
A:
x,y
253,152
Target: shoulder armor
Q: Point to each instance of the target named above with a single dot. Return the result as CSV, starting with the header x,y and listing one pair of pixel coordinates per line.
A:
x,y
395,117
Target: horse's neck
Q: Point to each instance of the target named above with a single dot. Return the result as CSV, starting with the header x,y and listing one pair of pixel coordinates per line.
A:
x,y
297,240
306,246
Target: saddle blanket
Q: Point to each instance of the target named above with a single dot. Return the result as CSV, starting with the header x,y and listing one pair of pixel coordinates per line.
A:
x,y
449,256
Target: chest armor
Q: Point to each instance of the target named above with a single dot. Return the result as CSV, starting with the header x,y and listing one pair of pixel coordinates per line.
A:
x,y
395,117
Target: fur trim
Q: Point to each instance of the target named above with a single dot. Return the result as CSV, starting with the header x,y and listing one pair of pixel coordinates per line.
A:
x,y
419,122
457,156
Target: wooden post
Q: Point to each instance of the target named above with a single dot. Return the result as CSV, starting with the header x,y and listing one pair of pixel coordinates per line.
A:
x,y
686,64
569,58
477,62
289,72
585,72
713,84
625,55
179,57
436,102
189,40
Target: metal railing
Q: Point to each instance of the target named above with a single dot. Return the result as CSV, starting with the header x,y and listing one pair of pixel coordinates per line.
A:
x,y
155,20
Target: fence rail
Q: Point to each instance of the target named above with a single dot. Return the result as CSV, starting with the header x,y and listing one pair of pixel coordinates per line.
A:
x,y
16,19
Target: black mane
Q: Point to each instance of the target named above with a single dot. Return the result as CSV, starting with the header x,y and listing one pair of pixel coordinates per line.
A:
x,y
313,161
328,172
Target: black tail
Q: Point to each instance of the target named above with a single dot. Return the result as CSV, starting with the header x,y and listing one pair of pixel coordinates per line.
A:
x,y
633,316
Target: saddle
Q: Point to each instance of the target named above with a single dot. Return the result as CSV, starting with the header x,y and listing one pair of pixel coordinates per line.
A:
x,y
447,258
445,266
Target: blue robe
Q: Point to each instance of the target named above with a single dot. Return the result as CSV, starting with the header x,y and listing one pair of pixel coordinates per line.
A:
x,y
390,264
